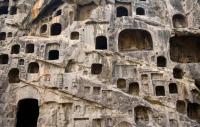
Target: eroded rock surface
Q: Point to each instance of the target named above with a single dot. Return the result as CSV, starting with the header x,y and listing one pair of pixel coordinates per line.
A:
x,y
99,63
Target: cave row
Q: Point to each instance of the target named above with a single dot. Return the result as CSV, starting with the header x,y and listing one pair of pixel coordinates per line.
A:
x,y
134,88
28,113
183,49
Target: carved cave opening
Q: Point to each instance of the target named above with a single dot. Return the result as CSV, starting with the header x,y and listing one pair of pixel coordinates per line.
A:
x,y
121,83
193,111
21,61
33,67
15,49
30,48
13,76
53,55
140,11
4,58
2,36
185,49
161,61
74,35
101,42
179,21
96,68
178,73
134,89
173,88
56,29
135,40
180,106
160,91
141,115
27,113
43,29
122,11
13,10
3,10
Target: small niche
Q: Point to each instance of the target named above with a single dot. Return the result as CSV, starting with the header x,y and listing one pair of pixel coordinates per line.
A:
x,y
33,67
96,68
122,11
4,58
96,90
121,83
74,35
160,91
173,88
178,73
134,89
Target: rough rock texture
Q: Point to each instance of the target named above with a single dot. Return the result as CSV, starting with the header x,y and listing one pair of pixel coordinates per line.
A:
x,y
99,63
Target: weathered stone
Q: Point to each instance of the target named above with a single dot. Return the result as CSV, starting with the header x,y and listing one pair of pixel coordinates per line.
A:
x,y
99,63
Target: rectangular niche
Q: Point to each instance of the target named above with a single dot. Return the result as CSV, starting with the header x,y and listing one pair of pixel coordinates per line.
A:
x,y
185,49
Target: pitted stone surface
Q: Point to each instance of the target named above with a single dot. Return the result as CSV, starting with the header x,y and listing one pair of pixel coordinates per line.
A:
x,y
99,63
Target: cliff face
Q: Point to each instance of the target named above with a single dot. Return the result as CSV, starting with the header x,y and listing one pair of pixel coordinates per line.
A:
x,y
99,63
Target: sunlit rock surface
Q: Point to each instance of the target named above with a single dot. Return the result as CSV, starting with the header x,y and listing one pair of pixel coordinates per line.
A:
x,y
99,63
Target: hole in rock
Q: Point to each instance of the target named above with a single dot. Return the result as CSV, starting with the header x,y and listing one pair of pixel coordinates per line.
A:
x,y
161,61
121,83
135,40
140,11
141,115
30,48
160,91
27,113
101,42
134,89
33,67
96,68
178,73
122,11
185,49
56,29
4,59
15,49
179,21
180,106
13,76
173,88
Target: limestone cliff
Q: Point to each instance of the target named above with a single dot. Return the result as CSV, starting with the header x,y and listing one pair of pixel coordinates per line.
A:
x,y
99,63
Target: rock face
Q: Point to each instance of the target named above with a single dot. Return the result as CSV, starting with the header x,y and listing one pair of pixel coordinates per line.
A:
x,y
99,63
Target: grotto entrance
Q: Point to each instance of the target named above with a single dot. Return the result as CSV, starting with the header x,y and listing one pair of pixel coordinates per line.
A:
x,y
3,36
33,67
193,111
101,42
4,59
179,21
185,49
13,76
3,10
135,40
141,115
53,55
180,106
56,29
134,89
27,113
122,11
